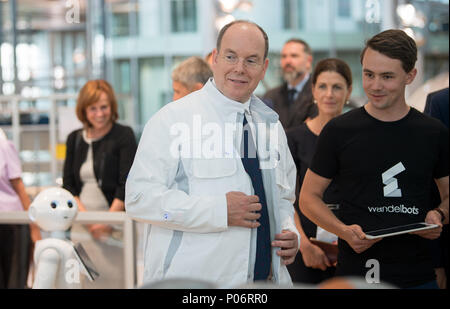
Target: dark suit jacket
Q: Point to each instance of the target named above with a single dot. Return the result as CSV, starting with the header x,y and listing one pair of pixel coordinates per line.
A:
x,y
437,106
301,109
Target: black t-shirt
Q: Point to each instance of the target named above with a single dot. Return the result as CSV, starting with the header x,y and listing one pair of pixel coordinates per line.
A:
x,y
302,143
384,171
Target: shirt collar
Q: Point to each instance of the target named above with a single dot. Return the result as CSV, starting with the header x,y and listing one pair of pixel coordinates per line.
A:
x,y
229,108
247,106
226,104
300,85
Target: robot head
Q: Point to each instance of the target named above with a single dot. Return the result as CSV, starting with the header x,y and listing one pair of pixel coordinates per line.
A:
x,y
53,209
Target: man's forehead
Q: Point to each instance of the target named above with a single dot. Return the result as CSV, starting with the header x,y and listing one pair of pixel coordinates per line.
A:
x,y
241,33
243,47
297,46
380,71
377,62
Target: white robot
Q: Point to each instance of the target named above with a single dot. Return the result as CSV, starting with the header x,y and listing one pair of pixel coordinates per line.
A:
x,y
56,260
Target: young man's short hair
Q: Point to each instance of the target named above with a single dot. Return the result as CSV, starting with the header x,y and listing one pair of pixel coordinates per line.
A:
x,y
395,44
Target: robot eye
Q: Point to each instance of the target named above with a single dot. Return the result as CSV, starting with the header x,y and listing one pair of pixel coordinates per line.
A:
x,y
70,204
54,204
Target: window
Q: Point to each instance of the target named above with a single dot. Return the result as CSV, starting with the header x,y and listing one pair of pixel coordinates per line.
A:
x,y
122,87
183,15
293,11
124,19
120,24
344,8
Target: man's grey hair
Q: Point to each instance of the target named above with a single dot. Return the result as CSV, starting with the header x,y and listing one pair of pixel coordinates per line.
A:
x,y
191,71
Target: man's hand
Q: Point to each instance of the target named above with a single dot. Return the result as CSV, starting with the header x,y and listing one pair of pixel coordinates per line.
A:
x,y
313,256
288,243
432,217
356,238
242,210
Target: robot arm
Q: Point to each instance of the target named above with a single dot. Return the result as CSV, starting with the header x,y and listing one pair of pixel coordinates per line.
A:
x,y
47,269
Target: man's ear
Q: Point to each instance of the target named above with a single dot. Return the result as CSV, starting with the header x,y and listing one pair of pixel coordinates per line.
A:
x,y
214,56
265,66
310,62
411,76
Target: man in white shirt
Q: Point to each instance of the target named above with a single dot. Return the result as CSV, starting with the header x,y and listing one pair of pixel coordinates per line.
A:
x,y
210,214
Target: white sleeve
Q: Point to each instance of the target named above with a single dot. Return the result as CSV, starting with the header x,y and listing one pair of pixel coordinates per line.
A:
x,y
151,193
286,174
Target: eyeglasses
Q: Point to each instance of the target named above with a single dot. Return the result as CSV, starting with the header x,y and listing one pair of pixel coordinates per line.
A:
x,y
249,63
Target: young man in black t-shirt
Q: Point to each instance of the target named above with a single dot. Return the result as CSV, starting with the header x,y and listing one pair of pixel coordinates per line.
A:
x,y
383,157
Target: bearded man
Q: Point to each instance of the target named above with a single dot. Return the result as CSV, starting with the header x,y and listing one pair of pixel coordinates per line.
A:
x,y
293,100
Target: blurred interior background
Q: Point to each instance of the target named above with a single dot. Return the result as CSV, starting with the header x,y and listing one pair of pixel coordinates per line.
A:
x,y
50,48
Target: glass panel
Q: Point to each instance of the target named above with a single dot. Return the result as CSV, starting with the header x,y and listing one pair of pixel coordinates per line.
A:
x,y
344,8
120,24
153,87
124,18
300,11
287,11
183,14
293,14
122,88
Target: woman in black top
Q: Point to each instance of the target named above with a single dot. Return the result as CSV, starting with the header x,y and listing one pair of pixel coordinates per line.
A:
x,y
332,86
98,159
113,148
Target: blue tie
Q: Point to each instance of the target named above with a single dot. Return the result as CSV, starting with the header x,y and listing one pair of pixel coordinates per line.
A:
x,y
251,164
291,95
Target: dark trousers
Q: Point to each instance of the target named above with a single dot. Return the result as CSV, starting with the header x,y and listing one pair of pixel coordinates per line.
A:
x,y
15,251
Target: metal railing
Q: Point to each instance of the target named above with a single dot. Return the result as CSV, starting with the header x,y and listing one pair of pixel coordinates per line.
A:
x,y
90,217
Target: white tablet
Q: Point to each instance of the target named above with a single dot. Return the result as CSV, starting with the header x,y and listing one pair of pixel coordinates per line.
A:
x,y
401,229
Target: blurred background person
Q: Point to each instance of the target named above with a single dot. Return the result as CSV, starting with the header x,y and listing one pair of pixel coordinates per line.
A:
x,y
331,90
293,100
189,76
437,106
98,159
14,239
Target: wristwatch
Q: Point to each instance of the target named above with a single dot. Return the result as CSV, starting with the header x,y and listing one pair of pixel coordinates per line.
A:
x,y
441,213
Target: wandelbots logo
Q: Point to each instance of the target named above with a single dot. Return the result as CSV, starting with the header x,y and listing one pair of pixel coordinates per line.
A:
x,y
391,188
395,209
